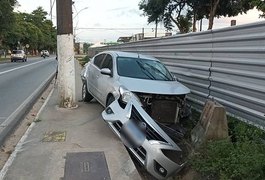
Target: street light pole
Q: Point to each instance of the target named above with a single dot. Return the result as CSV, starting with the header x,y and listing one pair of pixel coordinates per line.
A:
x,y
80,12
65,49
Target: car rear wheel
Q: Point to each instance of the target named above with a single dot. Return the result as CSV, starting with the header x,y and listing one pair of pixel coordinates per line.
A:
x,y
86,96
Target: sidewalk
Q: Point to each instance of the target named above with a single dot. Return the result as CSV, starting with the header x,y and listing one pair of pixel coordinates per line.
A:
x,y
43,151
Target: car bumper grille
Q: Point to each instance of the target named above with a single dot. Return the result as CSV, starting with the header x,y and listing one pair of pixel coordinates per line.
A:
x,y
151,134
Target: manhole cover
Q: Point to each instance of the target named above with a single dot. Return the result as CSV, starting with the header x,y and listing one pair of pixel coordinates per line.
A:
x,y
54,136
86,166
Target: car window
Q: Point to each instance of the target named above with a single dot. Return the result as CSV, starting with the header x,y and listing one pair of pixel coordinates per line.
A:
x,y
142,69
107,63
98,60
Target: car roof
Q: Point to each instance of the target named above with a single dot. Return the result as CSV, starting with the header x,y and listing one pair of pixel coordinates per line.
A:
x,y
129,54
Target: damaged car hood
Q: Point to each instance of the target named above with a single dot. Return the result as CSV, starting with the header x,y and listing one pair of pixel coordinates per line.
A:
x,y
154,86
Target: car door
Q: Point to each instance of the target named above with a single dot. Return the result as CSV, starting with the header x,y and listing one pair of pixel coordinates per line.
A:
x,y
105,85
94,73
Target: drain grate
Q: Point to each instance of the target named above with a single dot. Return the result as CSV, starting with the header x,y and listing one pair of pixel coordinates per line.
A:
x,y
86,166
54,136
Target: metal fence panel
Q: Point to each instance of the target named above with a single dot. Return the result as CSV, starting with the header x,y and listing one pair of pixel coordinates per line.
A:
x,y
226,64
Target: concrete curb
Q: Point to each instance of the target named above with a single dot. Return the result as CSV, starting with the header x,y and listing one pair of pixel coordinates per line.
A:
x,y
22,140
13,120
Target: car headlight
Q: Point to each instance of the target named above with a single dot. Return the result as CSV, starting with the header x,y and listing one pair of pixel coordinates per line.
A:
x,y
126,95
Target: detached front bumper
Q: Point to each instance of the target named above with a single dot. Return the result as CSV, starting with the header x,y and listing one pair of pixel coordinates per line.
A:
x,y
144,138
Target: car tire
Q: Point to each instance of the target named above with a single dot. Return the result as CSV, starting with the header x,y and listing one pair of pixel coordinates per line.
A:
x,y
110,100
86,96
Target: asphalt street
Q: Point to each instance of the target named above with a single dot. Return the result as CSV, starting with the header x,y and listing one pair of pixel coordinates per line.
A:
x,y
19,80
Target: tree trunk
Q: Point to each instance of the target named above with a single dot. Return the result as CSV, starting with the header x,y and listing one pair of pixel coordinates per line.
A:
x,y
214,4
156,29
194,22
176,22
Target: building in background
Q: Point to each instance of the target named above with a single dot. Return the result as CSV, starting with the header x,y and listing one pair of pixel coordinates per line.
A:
x,y
141,36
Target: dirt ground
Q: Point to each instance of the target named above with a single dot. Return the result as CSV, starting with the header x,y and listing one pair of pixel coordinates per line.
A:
x,y
8,147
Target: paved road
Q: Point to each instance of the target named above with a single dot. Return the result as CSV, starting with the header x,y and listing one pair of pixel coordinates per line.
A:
x,y
19,80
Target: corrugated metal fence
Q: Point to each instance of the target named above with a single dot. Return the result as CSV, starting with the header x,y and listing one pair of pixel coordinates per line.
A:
x,y
226,64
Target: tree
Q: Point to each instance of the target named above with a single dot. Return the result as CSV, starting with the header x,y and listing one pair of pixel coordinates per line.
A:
x,y
260,5
216,8
6,17
33,29
167,11
180,12
86,47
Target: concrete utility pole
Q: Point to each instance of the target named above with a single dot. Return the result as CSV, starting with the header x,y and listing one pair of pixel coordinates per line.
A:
x,y
65,50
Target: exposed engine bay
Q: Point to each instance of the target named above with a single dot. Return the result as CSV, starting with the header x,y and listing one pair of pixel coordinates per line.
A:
x,y
169,109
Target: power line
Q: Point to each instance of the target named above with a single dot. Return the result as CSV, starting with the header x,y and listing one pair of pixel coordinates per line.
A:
x,y
104,28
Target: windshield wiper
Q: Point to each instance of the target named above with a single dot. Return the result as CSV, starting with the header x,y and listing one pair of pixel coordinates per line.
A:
x,y
160,72
150,75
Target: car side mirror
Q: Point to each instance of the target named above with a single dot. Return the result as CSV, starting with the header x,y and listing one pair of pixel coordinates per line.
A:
x,y
106,71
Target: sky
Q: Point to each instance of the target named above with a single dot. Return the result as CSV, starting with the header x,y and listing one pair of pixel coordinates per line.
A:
x,y
107,20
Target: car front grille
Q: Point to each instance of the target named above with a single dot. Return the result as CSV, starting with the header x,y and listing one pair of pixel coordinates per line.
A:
x,y
141,152
151,134
117,125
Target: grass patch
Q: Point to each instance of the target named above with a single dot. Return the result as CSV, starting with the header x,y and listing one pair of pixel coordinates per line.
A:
x,y
4,59
37,120
242,156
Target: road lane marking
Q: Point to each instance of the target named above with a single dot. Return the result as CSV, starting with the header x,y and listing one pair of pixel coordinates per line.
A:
x,y
6,122
10,70
21,142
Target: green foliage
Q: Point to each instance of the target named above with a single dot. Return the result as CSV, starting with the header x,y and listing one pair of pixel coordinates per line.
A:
x,y
33,29
260,5
176,11
241,132
86,46
84,60
6,17
243,157
167,11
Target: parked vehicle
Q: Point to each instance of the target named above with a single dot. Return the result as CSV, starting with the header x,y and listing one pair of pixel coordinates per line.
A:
x,y
45,53
140,97
18,55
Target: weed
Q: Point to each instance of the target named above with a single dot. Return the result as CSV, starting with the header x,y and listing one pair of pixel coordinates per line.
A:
x,y
240,157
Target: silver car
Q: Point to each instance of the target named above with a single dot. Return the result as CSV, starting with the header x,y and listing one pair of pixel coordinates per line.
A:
x,y
141,97
17,55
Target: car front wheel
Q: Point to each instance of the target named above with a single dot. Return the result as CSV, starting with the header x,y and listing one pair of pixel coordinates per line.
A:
x,y
86,96
110,100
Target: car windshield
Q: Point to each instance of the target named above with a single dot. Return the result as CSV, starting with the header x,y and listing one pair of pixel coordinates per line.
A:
x,y
16,52
142,69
